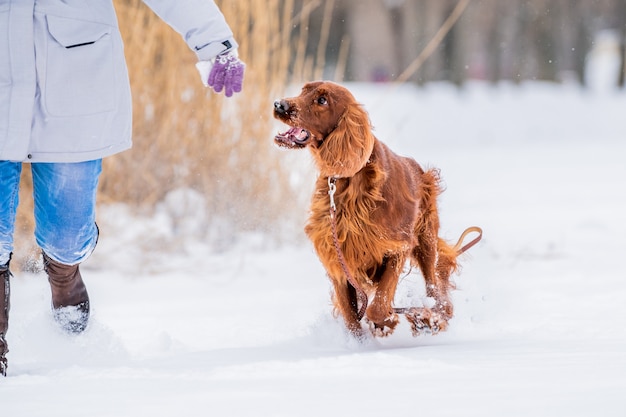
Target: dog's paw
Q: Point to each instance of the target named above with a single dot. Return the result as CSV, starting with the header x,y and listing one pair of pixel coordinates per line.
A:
x,y
385,328
438,323
425,320
418,319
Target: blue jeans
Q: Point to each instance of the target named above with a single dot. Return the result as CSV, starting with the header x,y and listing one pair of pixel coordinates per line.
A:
x,y
65,208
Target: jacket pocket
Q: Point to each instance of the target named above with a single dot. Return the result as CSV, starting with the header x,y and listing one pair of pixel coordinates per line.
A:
x,y
5,67
80,69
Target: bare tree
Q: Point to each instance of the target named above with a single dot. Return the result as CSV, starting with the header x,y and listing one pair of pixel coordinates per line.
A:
x,y
493,40
373,53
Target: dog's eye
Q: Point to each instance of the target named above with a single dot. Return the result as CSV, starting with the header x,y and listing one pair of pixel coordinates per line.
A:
x,y
322,100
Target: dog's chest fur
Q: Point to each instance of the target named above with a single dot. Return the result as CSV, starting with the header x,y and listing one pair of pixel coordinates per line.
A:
x,y
373,221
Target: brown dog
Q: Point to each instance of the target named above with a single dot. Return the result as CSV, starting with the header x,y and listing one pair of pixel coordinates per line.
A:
x,y
381,212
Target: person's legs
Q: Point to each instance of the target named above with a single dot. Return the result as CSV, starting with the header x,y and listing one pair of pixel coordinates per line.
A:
x,y
9,190
9,197
65,209
66,231
5,304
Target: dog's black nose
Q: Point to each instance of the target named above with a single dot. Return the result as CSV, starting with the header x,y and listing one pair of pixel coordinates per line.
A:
x,y
281,106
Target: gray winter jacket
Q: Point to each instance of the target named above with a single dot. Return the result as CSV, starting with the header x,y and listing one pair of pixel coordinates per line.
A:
x,y
64,90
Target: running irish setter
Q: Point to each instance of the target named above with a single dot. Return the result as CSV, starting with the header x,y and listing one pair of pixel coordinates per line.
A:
x,y
372,210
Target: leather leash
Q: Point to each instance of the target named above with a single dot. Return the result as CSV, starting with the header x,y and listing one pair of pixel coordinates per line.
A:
x,y
460,249
360,293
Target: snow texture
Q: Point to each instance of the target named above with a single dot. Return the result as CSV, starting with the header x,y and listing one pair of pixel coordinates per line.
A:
x,y
540,320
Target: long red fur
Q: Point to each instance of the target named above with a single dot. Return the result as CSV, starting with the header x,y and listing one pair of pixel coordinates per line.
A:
x,y
386,212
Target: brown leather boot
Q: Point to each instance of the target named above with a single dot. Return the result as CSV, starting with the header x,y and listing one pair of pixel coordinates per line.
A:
x,y
70,301
5,274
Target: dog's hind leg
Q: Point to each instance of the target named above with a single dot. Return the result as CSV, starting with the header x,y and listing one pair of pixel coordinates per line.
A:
x,y
435,258
436,318
446,265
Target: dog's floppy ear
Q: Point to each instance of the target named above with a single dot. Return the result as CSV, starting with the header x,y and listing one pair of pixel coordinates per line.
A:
x,y
348,147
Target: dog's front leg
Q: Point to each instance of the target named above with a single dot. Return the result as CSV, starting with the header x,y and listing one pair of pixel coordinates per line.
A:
x,y
380,314
345,301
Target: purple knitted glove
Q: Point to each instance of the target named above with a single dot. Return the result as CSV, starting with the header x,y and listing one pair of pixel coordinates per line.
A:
x,y
227,74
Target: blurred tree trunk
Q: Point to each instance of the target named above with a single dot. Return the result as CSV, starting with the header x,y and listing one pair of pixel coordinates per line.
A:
x,y
430,14
510,40
456,48
373,55
545,40
583,38
494,41
622,36
410,32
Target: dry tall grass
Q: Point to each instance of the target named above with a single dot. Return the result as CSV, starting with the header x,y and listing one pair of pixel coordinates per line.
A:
x,y
185,136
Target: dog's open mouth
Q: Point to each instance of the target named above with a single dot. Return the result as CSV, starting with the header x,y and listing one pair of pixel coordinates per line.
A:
x,y
295,137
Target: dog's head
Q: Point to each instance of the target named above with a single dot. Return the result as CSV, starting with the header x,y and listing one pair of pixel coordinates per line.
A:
x,y
326,118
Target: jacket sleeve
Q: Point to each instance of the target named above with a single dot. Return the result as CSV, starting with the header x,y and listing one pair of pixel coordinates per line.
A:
x,y
199,22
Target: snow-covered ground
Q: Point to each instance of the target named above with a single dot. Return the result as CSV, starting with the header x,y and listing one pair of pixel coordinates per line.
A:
x,y
540,326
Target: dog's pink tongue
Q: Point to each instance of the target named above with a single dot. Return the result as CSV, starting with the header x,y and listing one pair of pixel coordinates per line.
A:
x,y
298,134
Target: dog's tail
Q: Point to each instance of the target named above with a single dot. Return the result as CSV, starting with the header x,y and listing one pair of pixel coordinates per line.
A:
x,y
447,254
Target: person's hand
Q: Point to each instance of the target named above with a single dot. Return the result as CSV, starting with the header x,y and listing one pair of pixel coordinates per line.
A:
x,y
225,73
